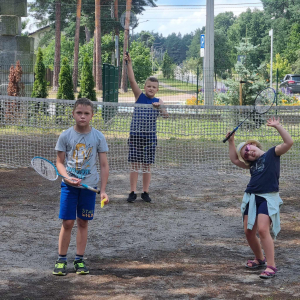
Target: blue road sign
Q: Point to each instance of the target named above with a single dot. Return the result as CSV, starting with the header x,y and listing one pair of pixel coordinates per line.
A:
x,y
202,41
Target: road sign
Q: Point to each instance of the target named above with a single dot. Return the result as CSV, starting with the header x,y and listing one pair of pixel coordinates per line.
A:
x,y
241,58
202,45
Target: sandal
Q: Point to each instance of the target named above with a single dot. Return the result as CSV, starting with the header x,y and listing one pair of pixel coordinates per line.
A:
x,y
266,274
261,263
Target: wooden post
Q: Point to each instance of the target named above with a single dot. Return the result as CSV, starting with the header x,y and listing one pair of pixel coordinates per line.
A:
x,y
124,86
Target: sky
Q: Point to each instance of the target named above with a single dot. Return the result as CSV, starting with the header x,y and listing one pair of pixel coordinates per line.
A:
x,y
184,16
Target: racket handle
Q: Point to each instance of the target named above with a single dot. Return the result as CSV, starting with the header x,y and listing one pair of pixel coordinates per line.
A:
x,y
90,188
228,137
126,61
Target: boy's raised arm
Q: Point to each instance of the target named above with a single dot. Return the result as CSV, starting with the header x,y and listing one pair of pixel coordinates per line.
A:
x,y
134,86
287,139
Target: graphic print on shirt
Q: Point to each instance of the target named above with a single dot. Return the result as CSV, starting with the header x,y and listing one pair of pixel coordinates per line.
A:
x,y
259,165
81,156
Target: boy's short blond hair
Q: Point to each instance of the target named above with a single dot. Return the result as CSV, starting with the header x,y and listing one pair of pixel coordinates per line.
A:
x,y
84,101
152,79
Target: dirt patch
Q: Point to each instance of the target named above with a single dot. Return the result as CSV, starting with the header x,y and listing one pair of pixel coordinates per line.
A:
x,y
187,244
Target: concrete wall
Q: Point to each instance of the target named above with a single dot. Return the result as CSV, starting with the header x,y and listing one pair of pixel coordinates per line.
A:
x,y
13,46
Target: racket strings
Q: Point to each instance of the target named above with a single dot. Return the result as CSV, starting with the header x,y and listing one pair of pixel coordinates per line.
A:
x,y
44,168
264,101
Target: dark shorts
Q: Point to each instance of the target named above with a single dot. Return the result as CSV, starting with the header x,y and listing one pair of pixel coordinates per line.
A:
x,y
141,149
261,206
76,201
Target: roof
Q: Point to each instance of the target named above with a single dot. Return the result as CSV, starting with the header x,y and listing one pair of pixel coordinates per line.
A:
x,y
40,29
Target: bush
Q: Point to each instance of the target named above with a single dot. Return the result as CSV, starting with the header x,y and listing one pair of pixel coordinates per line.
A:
x,y
65,90
40,84
87,83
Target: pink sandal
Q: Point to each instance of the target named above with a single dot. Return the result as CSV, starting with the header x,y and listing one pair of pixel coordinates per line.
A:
x,y
267,274
261,263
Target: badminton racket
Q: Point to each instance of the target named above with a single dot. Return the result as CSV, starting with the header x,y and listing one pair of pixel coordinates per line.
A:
x,y
48,170
263,102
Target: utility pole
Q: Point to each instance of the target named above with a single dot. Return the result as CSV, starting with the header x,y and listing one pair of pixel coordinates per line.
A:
x,y
271,62
209,54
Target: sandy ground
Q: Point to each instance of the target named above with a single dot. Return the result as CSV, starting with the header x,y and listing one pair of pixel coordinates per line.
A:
x,y
187,244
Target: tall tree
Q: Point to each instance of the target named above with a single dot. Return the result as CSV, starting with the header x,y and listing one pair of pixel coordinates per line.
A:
x,y
98,45
76,46
57,44
167,65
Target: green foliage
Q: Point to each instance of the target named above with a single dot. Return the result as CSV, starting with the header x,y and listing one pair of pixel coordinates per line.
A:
x,y
167,66
296,65
249,51
222,59
194,47
40,84
282,65
141,61
67,50
224,21
41,8
65,90
293,43
87,81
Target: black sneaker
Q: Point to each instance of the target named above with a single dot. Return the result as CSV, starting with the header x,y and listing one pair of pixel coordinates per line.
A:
x,y
131,198
80,267
145,197
60,268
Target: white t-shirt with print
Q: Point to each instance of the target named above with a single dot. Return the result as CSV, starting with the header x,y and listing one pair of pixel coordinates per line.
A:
x,y
81,153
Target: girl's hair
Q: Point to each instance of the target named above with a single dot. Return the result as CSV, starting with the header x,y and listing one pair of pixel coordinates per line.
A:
x,y
84,101
152,79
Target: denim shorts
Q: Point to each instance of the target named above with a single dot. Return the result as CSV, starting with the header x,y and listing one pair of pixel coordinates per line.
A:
x,y
76,201
261,206
141,149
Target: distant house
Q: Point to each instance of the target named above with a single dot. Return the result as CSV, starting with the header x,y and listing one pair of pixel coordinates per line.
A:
x,y
38,35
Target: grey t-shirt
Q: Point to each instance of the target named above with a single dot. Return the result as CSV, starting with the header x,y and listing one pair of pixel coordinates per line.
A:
x,y
81,153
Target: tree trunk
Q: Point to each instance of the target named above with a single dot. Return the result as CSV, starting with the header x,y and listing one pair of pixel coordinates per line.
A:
x,y
87,34
57,44
117,33
76,46
98,46
94,56
124,86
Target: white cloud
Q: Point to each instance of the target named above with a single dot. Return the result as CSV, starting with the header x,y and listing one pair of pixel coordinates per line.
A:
x,y
185,19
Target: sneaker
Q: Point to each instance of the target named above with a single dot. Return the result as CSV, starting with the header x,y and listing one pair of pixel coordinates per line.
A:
x,y
60,268
80,267
145,197
131,198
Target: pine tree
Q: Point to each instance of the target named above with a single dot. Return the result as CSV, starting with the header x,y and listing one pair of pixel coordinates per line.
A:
x,y
65,90
167,65
87,83
40,84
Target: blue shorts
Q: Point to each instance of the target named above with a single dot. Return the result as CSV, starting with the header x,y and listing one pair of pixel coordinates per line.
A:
x,y
141,149
78,200
261,206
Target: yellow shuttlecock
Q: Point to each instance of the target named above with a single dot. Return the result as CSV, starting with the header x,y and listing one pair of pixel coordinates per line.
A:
x,y
103,202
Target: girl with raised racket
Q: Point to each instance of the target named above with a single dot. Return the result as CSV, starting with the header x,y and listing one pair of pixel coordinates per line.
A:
x,y
261,202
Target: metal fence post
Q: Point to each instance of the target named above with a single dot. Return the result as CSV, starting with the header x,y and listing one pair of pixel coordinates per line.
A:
x,y
197,85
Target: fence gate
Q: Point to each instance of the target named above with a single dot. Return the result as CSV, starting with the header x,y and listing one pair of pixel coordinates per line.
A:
x,y
110,75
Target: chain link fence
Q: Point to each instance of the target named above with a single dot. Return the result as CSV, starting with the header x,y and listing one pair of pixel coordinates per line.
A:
x,y
189,141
